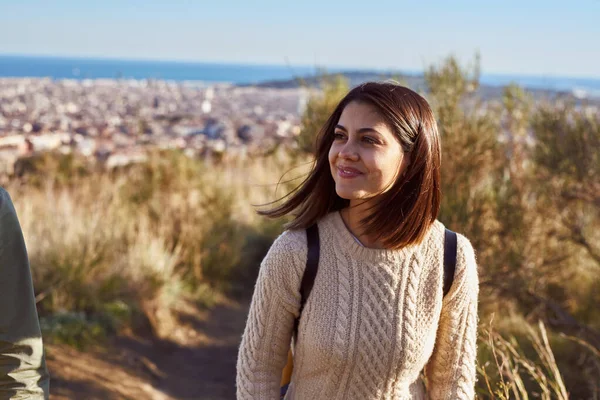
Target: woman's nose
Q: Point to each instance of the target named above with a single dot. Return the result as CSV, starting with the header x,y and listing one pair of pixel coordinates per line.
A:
x,y
348,151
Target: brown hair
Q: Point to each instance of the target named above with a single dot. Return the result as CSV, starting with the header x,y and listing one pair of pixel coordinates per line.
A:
x,y
401,215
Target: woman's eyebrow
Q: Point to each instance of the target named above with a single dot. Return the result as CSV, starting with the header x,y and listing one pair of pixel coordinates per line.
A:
x,y
361,130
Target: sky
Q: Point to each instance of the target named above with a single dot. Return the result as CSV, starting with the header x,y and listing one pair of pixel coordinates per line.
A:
x,y
527,37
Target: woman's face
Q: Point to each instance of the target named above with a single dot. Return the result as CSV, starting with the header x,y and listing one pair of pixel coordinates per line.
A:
x,y
365,157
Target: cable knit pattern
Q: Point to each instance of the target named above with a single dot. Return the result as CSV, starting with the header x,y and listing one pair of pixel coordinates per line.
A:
x,y
374,320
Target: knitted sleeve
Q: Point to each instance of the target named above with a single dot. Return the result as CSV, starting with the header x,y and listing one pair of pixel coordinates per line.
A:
x,y
451,369
23,373
274,307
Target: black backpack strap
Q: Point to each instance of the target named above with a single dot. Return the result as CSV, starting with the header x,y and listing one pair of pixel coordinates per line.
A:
x,y
310,272
450,243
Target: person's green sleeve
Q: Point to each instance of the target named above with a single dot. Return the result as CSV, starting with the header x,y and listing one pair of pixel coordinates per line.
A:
x,y
23,373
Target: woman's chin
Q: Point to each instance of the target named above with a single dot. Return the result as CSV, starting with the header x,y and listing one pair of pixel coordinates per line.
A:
x,y
350,194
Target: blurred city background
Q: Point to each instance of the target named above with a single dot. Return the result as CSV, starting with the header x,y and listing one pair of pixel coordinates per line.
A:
x,y
136,139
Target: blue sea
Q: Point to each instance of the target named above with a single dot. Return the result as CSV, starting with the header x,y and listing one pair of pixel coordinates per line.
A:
x,y
88,68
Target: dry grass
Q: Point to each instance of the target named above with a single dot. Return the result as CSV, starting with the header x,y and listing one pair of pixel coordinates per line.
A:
x,y
149,236
513,375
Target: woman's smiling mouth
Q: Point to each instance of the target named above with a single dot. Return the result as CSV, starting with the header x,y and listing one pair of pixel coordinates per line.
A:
x,y
348,172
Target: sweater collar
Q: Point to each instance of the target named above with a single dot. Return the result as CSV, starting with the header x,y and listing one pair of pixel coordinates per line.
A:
x,y
346,241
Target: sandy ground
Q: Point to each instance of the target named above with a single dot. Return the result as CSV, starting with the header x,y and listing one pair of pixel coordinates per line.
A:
x,y
198,364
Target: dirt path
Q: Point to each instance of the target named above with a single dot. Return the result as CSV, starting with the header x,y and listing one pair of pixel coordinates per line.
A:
x,y
200,364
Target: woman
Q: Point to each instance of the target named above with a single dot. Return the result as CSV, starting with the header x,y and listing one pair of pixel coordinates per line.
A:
x,y
376,316
23,373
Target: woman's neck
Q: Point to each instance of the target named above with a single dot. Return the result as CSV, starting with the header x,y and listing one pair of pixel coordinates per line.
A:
x,y
352,216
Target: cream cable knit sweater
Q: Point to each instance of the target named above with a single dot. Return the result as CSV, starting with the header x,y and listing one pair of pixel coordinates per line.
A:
x,y
374,320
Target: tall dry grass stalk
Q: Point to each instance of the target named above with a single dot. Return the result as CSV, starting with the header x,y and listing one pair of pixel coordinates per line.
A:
x,y
513,374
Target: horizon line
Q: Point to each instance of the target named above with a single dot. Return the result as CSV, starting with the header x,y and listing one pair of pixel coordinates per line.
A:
x,y
283,64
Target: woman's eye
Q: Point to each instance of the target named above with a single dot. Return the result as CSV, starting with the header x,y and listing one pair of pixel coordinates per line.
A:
x,y
369,140
338,135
